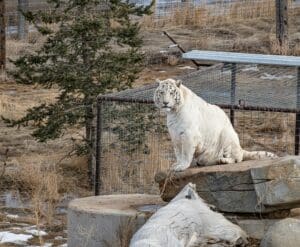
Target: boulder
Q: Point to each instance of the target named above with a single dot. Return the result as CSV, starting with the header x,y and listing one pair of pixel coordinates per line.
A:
x,y
278,183
256,186
284,233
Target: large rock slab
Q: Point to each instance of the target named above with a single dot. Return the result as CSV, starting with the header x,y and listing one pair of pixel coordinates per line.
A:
x,y
278,184
284,233
102,221
258,186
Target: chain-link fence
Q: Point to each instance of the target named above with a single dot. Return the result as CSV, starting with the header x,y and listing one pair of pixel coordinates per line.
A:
x,y
237,8
199,13
15,21
134,142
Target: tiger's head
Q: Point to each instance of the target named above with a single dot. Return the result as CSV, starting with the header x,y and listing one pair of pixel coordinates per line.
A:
x,y
168,95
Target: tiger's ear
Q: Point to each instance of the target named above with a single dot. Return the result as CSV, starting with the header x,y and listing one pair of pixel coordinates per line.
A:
x,y
157,81
178,83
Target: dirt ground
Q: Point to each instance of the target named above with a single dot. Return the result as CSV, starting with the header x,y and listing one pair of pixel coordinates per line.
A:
x,y
25,164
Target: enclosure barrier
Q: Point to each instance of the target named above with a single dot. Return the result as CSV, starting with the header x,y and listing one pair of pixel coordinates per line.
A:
x,y
233,58
261,94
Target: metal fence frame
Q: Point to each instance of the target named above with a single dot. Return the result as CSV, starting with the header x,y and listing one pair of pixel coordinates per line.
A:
x,y
281,60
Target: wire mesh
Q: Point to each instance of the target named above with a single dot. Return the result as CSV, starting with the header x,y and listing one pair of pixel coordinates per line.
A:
x,y
135,141
198,11
133,135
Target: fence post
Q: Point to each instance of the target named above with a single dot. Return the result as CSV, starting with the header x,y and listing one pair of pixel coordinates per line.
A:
x,y
297,124
232,92
98,148
282,21
22,24
2,36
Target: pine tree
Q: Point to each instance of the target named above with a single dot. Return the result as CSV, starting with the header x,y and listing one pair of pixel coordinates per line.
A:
x,y
92,48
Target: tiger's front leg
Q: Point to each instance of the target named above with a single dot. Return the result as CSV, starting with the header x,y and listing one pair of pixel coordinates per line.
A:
x,y
184,151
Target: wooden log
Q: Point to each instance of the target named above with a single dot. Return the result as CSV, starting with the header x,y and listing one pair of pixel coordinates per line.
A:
x,y
259,186
188,221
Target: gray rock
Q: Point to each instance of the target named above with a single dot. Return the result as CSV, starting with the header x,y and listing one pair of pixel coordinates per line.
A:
x,y
255,228
284,233
278,183
257,186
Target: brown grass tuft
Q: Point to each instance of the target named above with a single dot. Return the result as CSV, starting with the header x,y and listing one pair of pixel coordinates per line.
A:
x,y
212,14
42,185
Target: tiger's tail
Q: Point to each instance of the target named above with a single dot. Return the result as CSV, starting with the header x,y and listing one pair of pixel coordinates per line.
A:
x,y
258,155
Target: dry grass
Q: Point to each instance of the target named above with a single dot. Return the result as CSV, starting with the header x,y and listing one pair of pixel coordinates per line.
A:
x,y
266,131
134,173
16,48
42,185
15,106
283,49
37,169
212,14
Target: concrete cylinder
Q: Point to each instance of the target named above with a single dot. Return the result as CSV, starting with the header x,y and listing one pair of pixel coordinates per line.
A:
x,y
108,221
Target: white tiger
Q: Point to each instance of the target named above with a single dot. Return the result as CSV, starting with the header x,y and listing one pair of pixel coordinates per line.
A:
x,y
198,129
187,221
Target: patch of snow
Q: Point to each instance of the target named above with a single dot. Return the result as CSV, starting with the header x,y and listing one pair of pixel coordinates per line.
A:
x,y
250,68
16,228
8,237
162,71
47,245
186,67
23,224
44,245
59,238
267,76
36,232
163,51
63,245
173,45
12,216
31,227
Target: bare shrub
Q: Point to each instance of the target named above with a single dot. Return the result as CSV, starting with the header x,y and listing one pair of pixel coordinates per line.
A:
x,y
42,185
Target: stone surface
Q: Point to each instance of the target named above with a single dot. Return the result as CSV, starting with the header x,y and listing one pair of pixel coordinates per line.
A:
x,y
284,233
295,212
257,186
255,228
278,183
107,220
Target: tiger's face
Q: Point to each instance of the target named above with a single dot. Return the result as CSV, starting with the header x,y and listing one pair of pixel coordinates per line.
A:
x,y
168,96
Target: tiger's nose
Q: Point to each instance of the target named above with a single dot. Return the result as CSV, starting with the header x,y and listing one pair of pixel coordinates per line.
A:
x,y
165,102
